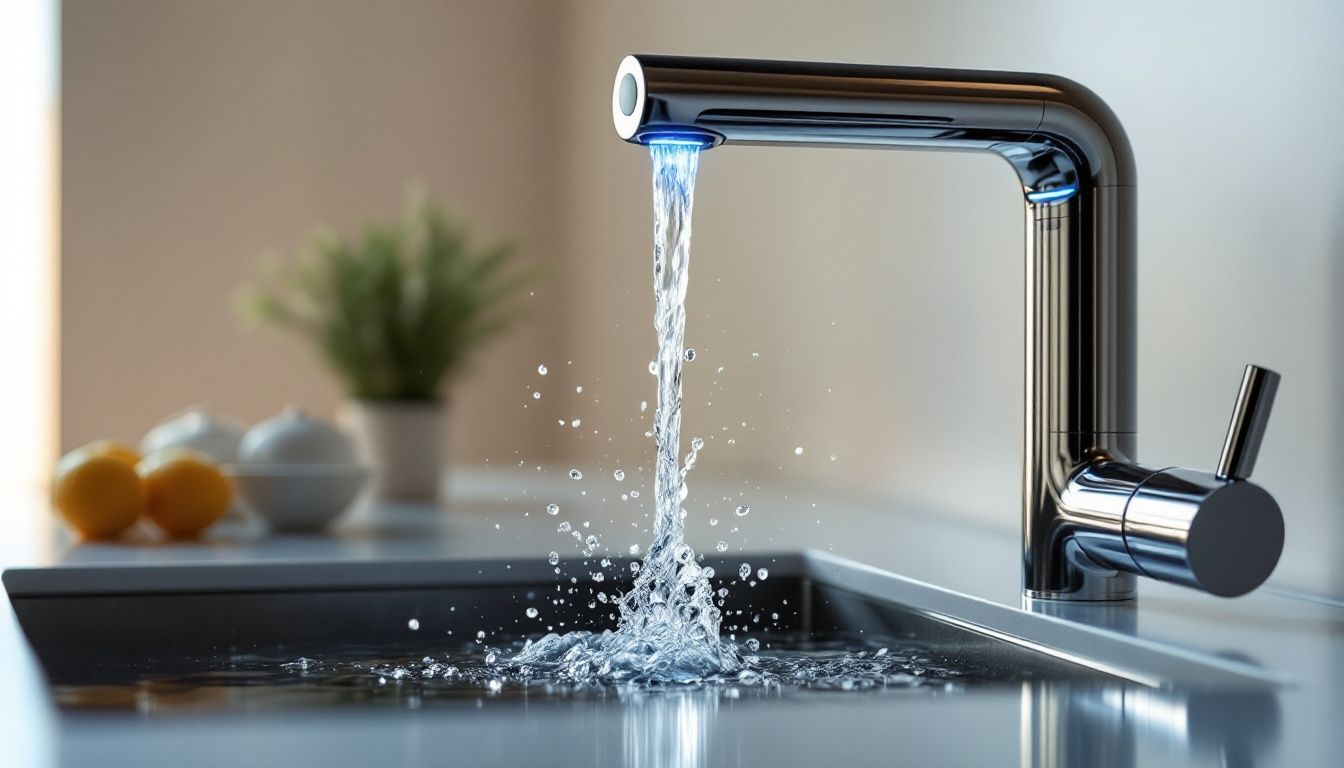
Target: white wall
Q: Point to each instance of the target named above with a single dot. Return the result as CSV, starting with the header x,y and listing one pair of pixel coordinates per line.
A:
x,y
883,291
28,239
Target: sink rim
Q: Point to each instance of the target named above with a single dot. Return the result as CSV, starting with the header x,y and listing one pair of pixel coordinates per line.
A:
x,y
1103,649
1146,662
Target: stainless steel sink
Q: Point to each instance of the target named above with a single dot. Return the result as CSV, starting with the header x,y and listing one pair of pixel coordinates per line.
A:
x,y
167,639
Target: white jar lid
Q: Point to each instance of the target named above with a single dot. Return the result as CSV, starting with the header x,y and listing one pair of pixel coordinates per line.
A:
x,y
197,428
294,438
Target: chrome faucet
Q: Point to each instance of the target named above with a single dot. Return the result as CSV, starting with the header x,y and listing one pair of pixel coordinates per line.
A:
x,y
1092,518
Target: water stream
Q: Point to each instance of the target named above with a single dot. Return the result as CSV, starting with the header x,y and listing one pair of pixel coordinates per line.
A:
x,y
669,625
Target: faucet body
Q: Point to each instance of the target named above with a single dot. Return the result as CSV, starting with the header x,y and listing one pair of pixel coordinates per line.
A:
x,y
1088,524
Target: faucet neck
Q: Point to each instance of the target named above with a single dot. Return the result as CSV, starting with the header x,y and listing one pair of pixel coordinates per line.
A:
x,y
1080,381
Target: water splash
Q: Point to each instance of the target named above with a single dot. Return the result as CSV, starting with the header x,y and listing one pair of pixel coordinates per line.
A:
x,y
669,626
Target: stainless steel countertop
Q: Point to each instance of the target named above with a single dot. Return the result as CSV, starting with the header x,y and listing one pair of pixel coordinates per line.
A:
x,y
1303,639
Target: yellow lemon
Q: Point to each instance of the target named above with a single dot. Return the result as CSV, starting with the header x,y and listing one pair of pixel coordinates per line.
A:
x,y
97,492
187,492
115,449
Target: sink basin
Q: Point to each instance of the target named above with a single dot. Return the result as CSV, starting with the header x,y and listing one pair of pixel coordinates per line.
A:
x,y
163,640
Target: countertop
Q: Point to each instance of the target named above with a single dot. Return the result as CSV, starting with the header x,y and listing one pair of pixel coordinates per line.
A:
x,y
501,513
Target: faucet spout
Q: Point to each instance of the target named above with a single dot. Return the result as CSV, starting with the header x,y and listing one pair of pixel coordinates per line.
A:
x,y
1078,185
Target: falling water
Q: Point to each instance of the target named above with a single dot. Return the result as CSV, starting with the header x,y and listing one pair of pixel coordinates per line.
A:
x,y
669,626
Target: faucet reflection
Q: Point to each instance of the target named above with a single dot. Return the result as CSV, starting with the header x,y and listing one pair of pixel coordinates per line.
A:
x,y
1127,726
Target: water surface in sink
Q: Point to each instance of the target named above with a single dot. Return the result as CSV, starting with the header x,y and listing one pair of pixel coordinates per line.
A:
x,y
326,647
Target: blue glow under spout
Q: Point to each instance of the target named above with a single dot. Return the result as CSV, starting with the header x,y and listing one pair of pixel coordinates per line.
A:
x,y
679,137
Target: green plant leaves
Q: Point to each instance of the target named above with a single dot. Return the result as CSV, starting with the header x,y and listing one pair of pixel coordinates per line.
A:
x,y
399,310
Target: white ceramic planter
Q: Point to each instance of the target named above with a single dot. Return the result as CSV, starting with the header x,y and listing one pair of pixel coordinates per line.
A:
x,y
403,441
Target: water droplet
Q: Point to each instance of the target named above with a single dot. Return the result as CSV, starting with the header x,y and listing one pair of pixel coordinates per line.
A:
x,y
755,354
541,369
598,576
552,509
490,657
634,549
742,510
531,612
414,624
697,443
553,558
753,644
619,475
643,405
762,574
634,494
575,424
578,390
575,474
722,546
634,567
690,354
880,652
832,457
713,521
653,368
495,686
798,451
536,395
564,527
744,571
480,634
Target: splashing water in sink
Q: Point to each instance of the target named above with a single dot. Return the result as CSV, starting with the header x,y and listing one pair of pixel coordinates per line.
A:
x,y
669,622
669,626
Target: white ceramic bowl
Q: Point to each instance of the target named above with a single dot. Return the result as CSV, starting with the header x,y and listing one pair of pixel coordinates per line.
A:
x,y
298,497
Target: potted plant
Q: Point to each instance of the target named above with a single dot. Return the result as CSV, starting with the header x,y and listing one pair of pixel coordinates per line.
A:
x,y
395,313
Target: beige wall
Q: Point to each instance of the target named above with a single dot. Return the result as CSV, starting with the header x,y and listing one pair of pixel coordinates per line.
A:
x,y
199,136
882,291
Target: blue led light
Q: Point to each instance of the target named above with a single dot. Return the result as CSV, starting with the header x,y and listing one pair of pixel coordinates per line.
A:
x,y
663,141
1059,194
677,139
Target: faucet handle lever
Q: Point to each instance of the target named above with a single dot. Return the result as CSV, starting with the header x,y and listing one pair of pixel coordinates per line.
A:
x,y
1250,416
